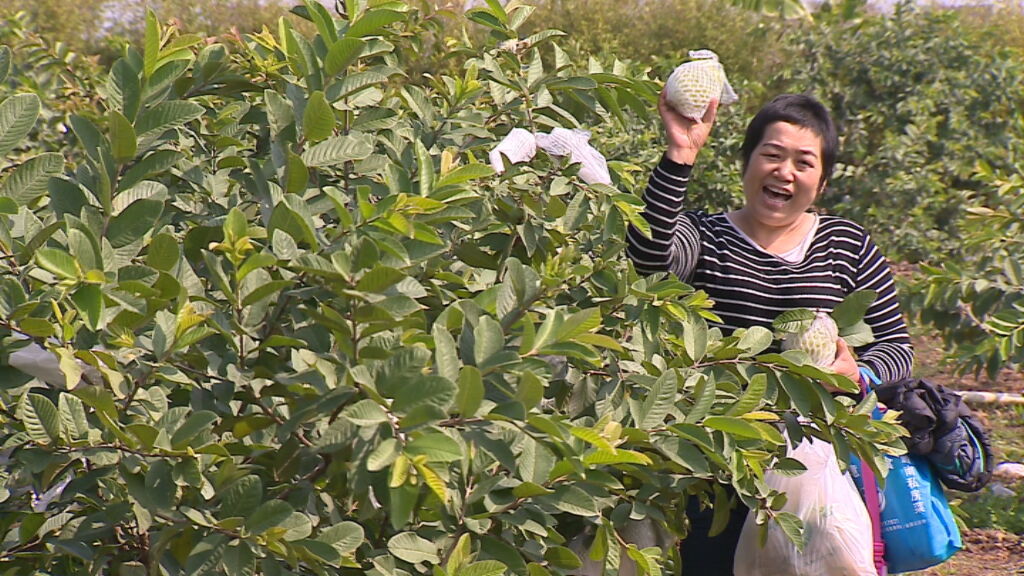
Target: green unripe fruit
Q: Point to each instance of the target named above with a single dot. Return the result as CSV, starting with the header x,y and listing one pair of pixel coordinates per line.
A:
x,y
819,340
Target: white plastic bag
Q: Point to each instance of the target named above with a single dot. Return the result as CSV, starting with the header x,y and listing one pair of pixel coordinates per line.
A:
x,y
521,146
837,528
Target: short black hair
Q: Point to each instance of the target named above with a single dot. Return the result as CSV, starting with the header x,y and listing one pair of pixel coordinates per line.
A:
x,y
800,110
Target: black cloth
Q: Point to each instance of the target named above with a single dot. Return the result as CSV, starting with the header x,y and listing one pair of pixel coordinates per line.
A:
x,y
943,429
703,555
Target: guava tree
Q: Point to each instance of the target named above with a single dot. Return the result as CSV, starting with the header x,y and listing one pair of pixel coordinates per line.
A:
x,y
302,327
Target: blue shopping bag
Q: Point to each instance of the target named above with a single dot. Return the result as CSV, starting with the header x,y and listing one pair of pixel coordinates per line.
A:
x,y
918,527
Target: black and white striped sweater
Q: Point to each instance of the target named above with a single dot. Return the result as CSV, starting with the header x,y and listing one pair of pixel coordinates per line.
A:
x,y
751,287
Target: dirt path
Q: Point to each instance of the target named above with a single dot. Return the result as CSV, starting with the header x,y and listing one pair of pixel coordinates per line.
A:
x,y
985,553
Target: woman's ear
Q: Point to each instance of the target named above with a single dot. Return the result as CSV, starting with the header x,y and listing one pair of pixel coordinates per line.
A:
x,y
821,190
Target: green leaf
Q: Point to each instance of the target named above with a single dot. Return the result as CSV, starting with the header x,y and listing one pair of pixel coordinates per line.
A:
x,y
123,144
345,537
489,339
755,340
296,174
463,174
296,527
93,143
160,489
600,340
471,391
752,397
425,169
793,321
644,562
342,53
852,309
74,422
633,216
659,401
58,262
88,298
40,417
318,120
704,393
730,425
804,399
70,367
579,323
270,514
459,554
379,279
383,455
683,452
196,423
163,253
5,63
30,180
437,447
573,500
792,527
485,18
366,412
165,116
124,86
206,557
529,490
151,43
287,218
619,456
134,222
695,336
235,226
482,568
562,557
425,391
857,334
372,22
316,12
337,150
412,548
446,356
17,117
37,327
530,390
156,162
242,497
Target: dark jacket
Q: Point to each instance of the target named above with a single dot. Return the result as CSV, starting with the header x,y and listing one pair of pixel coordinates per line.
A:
x,y
943,429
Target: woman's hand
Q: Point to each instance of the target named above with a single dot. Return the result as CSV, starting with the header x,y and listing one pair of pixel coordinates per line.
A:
x,y
844,364
685,137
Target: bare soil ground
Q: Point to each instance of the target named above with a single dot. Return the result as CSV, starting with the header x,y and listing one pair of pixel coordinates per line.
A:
x,y
985,553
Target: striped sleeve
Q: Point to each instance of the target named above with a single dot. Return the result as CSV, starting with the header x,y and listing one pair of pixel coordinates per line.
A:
x,y
891,355
674,245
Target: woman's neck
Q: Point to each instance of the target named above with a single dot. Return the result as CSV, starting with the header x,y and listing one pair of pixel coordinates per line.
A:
x,y
773,239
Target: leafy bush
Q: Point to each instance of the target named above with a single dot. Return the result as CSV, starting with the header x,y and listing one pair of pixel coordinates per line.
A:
x,y
302,326
976,304
101,27
659,33
919,104
63,81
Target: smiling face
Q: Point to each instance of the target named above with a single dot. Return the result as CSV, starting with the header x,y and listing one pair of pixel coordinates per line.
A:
x,y
783,176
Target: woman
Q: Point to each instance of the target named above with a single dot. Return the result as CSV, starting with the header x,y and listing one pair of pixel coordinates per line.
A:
x,y
772,255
